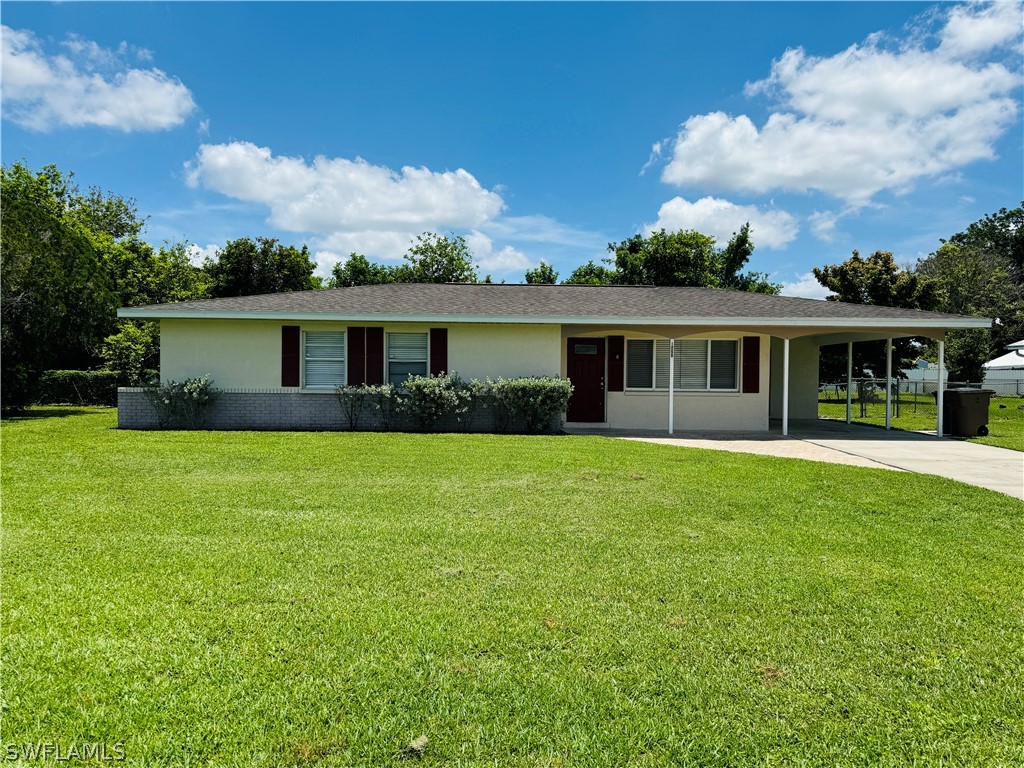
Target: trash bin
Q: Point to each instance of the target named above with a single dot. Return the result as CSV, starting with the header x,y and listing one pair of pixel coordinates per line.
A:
x,y
965,411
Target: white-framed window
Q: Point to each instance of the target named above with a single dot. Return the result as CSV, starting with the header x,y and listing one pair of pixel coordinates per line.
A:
x,y
323,359
407,354
701,365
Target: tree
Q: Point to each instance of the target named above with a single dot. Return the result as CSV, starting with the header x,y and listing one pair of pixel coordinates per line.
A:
x,y
247,267
434,258
544,274
108,213
591,274
358,270
876,280
1000,233
981,273
131,351
56,297
688,258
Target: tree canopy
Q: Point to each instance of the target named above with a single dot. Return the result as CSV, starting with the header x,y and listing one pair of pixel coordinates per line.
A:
x,y
688,258
434,258
542,274
69,259
879,281
591,274
247,266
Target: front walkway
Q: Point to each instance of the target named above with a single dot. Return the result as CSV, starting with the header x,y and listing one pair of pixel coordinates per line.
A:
x,y
998,469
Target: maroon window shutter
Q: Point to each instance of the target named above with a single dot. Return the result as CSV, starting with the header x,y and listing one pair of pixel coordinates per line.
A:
x,y
616,363
751,365
289,355
438,351
356,356
374,355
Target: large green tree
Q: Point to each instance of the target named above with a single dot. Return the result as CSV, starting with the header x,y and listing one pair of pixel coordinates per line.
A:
x,y
247,267
591,274
688,258
56,295
981,272
879,281
434,258
542,274
358,270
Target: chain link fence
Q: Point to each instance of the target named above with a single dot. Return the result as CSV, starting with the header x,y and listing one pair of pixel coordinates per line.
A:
x,y
913,402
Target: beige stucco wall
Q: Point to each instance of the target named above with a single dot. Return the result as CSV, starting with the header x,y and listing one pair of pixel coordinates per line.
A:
x,y
698,411
235,353
476,351
246,354
803,379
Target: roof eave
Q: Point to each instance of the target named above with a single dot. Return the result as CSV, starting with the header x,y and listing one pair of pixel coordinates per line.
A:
x,y
143,313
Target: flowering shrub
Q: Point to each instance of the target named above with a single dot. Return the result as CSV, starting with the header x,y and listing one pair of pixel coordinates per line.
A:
x,y
352,401
536,401
165,399
385,400
429,398
188,399
196,396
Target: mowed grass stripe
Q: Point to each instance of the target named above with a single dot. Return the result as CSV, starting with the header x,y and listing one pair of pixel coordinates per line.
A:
x,y
289,599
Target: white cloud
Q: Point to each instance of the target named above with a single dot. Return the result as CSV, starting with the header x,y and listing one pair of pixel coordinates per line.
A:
x,y
544,229
91,87
805,286
978,27
865,120
823,225
351,204
390,246
721,218
507,259
336,193
325,261
198,254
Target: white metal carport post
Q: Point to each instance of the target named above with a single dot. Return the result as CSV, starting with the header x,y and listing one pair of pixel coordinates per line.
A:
x,y
785,387
849,381
938,392
888,383
671,385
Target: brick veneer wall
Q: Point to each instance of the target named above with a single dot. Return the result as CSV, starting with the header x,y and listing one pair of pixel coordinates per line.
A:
x,y
284,410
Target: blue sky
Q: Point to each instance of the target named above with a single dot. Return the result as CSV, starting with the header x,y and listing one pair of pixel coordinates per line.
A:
x,y
538,131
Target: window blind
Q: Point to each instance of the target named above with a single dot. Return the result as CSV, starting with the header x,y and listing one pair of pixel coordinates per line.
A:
x,y
691,364
723,364
324,359
639,363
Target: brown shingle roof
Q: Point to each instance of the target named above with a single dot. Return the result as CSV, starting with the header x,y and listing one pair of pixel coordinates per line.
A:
x,y
535,302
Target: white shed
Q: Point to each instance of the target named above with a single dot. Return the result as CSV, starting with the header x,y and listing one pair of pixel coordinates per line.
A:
x,y
1005,374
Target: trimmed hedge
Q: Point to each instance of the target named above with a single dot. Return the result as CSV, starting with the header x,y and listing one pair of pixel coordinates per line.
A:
x,y
79,387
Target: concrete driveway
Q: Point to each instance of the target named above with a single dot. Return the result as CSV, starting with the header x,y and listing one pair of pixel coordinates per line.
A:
x,y
986,466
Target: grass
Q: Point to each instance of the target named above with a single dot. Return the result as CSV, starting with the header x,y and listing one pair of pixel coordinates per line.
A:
x,y
917,413
268,599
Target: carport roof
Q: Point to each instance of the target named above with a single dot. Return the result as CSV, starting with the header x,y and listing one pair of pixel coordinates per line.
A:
x,y
489,303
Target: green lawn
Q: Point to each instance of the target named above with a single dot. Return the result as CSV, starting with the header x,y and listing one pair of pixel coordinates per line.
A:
x,y
266,599
917,413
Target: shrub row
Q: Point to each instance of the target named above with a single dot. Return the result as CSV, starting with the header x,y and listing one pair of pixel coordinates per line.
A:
x,y
532,404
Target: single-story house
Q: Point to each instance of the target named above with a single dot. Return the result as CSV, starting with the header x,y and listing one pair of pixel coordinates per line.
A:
x,y
737,359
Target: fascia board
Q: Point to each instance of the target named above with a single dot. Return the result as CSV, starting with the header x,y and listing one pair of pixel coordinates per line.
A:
x,y
725,322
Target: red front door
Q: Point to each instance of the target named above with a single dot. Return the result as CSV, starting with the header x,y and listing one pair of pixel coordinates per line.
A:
x,y
585,367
